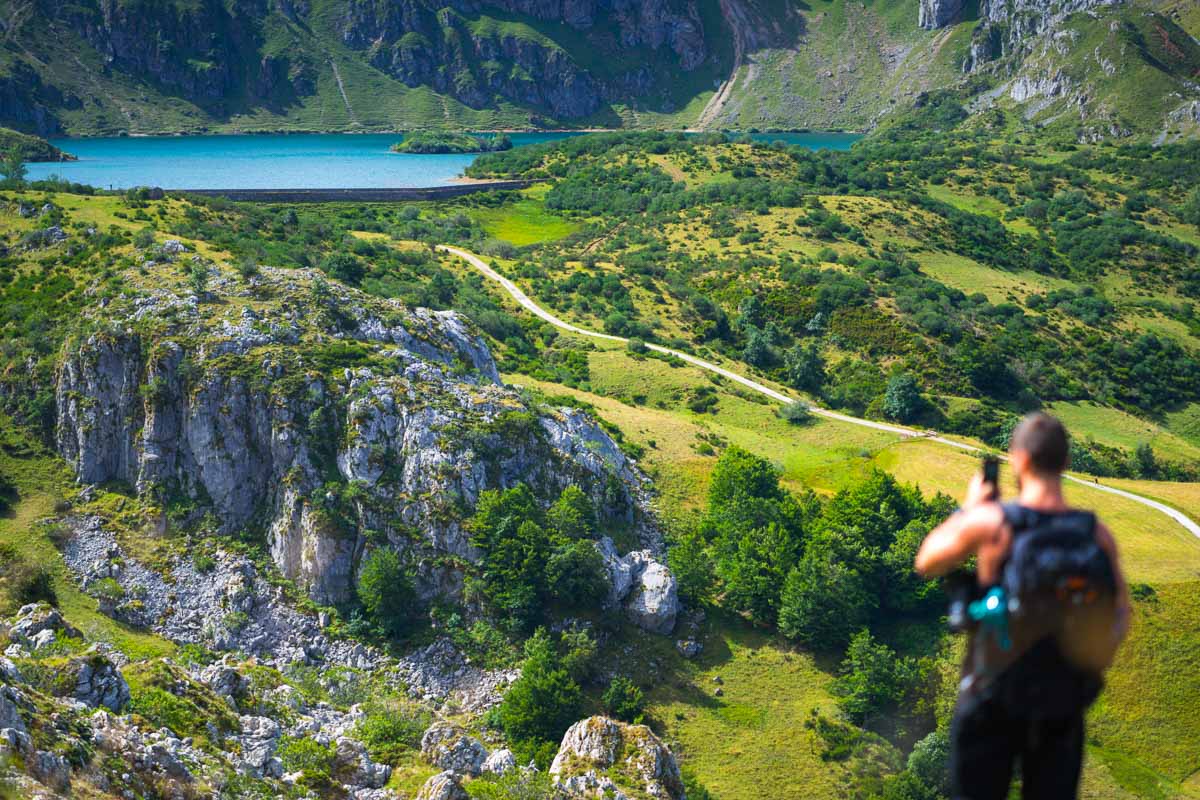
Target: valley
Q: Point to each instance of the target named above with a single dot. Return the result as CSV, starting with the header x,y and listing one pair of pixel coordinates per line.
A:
x,y
570,344
542,421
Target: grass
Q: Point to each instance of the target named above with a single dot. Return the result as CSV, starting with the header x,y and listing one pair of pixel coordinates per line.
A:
x,y
1115,428
750,742
42,481
969,276
525,221
1148,709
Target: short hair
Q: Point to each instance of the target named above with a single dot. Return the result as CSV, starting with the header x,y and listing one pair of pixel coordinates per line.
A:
x,y
1045,440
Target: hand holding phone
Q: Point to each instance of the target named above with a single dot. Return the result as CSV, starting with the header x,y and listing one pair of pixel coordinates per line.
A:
x,y
991,476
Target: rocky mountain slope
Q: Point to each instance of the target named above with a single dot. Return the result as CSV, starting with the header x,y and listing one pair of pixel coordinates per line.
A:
x,y
239,445
105,66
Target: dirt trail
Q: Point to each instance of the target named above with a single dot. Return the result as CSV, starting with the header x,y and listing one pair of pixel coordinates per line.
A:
x,y
528,304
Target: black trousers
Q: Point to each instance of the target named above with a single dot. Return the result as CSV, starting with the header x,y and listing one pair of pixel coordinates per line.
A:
x,y
987,742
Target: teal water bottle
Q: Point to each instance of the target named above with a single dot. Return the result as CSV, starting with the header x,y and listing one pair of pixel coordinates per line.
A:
x,y
991,612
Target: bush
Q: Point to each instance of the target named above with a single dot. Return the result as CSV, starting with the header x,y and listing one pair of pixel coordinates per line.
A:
x,y
390,730
23,582
623,700
823,601
577,576
796,413
108,590
385,589
312,760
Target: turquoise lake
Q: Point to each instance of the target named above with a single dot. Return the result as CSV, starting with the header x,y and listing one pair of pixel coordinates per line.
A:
x,y
292,161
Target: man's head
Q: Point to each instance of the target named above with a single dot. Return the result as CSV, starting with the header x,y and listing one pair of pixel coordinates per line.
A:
x,y
1040,447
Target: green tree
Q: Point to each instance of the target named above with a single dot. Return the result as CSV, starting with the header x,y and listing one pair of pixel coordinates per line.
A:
x,y
345,267
873,679
386,591
13,166
572,516
751,313
758,350
902,400
739,473
624,700
753,573
806,368
198,277
576,575
1145,463
693,568
542,703
1190,213
823,601
515,548
929,759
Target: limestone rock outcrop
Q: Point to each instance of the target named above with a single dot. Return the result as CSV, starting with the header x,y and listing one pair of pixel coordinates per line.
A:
x,y
643,586
934,14
603,758
449,747
229,413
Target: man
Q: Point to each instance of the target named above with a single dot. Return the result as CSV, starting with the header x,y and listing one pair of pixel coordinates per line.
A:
x,y
1035,664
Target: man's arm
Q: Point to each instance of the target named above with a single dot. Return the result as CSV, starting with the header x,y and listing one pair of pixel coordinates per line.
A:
x,y
1108,543
963,534
958,538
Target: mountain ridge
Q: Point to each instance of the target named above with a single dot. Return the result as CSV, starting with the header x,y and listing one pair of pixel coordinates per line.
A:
x,y
1084,68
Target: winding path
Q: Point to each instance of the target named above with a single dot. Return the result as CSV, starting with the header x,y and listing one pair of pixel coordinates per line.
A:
x,y
528,304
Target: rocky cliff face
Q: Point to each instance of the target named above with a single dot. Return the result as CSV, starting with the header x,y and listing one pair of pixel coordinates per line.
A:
x,y
475,60
934,14
1011,26
332,425
209,52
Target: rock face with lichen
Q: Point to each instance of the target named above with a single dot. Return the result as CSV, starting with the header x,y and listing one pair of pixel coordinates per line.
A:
x,y
330,422
603,758
934,14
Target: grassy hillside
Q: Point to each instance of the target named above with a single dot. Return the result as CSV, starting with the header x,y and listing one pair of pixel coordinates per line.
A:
x,y
627,236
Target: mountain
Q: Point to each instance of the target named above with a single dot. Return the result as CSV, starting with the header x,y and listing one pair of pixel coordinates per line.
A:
x,y
1107,68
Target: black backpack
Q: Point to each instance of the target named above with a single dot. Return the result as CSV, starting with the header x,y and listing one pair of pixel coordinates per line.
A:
x,y
1061,588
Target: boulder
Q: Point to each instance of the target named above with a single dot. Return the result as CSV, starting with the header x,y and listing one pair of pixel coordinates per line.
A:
x,y
35,618
443,786
355,767
260,736
603,758
447,746
653,604
643,586
11,702
500,762
51,769
98,682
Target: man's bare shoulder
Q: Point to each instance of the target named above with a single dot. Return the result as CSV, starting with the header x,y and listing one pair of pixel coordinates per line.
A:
x,y
984,518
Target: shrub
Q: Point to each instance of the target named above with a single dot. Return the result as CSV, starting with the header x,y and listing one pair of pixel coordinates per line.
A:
x,y
108,590
312,760
386,591
796,413
390,730
541,704
624,700
576,575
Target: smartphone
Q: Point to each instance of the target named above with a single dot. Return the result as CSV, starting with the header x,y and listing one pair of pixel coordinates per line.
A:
x,y
991,474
